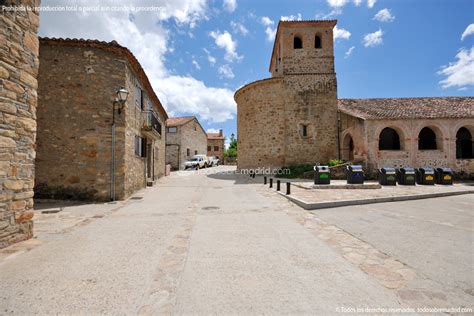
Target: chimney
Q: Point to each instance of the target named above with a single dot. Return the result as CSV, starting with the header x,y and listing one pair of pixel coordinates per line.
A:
x,y
220,132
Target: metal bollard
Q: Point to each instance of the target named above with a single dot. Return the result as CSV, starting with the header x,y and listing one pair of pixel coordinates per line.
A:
x,y
265,180
288,191
278,185
271,182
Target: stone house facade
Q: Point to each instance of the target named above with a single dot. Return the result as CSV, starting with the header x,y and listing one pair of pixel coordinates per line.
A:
x,y
295,117
18,103
185,138
215,145
88,148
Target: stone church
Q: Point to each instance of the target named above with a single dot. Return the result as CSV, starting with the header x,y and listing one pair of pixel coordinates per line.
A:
x,y
295,117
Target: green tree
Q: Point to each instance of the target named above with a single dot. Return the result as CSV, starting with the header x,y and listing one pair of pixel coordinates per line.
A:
x,y
231,152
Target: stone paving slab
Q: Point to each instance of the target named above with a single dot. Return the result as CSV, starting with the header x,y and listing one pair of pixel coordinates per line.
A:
x,y
323,198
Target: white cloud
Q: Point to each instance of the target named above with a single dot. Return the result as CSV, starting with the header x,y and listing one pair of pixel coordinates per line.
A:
x,y
468,31
384,15
265,20
459,73
196,64
188,95
270,31
371,3
211,59
373,39
349,52
230,5
149,40
239,28
341,33
225,71
225,41
337,3
212,130
292,17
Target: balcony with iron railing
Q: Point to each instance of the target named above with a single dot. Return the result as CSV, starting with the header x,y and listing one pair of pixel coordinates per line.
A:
x,y
151,124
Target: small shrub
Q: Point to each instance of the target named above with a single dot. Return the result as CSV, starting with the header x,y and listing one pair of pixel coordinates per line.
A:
x,y
335,162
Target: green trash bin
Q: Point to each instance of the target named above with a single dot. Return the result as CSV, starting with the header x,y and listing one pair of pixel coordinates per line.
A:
x,y
387,176
322,175
406,176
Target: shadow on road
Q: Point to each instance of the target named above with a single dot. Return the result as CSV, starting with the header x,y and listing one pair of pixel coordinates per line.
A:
x,y
44,204
233,176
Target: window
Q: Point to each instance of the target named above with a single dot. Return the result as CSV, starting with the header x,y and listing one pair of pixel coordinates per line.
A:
x,y
297,42
140,146
195,152
317,42
216,148
304,130
188,152
172,129
142,100
389,139
208,148
427,139
138,96
464,144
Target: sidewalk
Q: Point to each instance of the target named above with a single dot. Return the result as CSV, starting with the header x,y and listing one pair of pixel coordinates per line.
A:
x,y
311,199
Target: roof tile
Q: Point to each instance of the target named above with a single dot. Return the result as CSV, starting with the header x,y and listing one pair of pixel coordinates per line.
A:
x,y
408,108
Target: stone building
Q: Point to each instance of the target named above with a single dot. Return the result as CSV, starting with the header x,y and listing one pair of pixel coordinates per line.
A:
x,y
185,138
18,102
291,118
81,153
295,117
417,132
215,145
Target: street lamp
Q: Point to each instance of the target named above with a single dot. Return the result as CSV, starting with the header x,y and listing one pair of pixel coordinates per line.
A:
x,y
122,95
119,102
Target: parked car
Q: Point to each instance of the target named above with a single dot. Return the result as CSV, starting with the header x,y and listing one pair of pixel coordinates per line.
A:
x,y
214,161
206,160
196,162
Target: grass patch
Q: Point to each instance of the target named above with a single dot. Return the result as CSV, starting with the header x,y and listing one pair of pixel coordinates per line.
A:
x,y
293,172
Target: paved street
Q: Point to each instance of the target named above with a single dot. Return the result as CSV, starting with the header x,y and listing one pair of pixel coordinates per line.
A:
x,y
200,243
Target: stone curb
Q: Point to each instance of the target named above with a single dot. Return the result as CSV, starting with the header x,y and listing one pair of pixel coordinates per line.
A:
x,y
331,204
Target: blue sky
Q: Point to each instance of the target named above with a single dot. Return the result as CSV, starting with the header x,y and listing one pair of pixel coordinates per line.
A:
x,y
197,53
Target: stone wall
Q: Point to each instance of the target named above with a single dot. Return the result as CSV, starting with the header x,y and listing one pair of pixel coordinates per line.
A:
x,y
261,124
365,135
18,102
76,89
219,143
310,100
